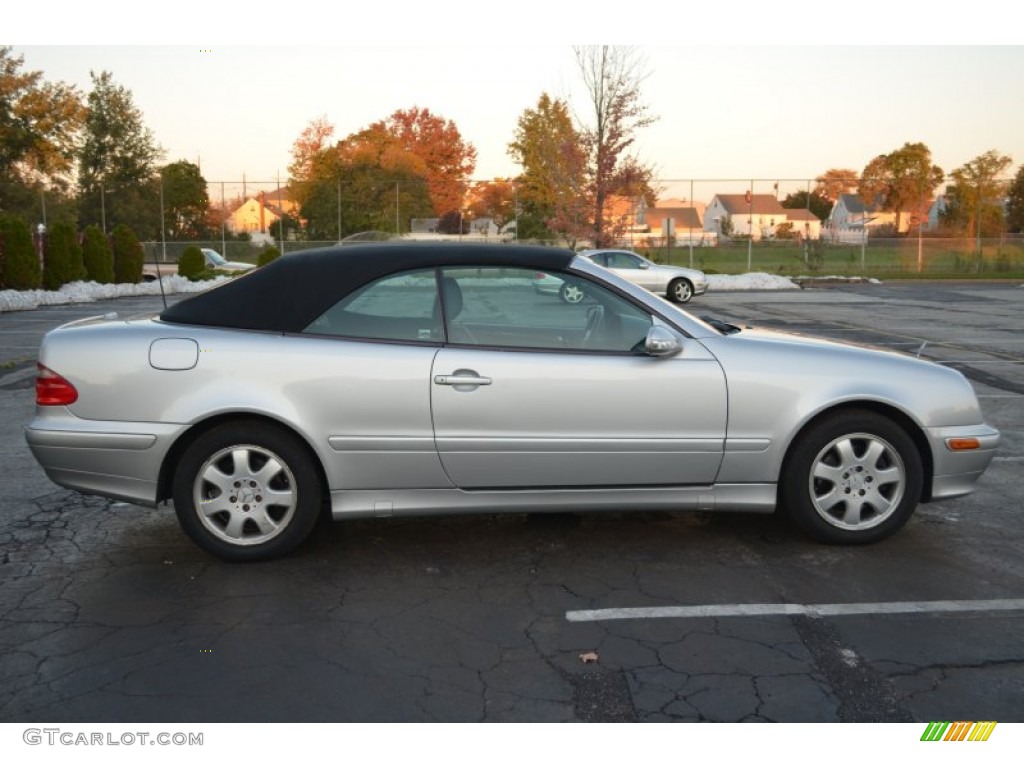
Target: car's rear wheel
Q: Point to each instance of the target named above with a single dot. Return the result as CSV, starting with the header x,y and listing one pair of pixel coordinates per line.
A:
x,y
853,478
571,293
680,290
247,491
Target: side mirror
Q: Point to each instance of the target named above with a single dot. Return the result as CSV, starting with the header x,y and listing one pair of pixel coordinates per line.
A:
x,y
644,265
661,342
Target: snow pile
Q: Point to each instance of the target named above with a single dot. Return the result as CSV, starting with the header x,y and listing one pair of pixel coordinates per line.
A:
x,y
84,292
752,281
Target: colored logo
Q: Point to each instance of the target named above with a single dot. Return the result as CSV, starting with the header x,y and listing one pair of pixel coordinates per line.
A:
x,y
959,731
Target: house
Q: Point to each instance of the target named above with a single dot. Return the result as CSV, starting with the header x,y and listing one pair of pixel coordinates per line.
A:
x,y
806,225
259,212
681,223
851,220
749,215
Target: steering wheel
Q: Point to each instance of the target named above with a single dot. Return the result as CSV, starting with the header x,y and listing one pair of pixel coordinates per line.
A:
x,y
595,316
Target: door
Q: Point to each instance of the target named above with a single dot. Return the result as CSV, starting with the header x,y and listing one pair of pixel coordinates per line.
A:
x,y
534,392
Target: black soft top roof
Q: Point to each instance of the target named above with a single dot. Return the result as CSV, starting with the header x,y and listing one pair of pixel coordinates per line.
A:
x,y
292,291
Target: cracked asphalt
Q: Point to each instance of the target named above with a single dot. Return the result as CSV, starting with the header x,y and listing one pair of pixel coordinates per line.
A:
x,y
108,613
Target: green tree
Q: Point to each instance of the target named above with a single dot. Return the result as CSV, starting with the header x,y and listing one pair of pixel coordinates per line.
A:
x,y
552,186
117,177
975,198
1015,203
62,262
612,76
19,262
901,180
39,123
97,256
192,263
128,255
820,206
186,201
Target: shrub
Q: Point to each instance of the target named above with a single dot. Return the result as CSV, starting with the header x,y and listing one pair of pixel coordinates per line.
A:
x,y
192,263
97,255
128,256
19,263
63,257
267,255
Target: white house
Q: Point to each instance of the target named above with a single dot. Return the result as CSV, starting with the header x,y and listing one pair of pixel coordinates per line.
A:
x,y
850,219
753,215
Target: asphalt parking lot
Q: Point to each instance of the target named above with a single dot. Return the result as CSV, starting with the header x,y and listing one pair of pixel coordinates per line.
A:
x,y
108,613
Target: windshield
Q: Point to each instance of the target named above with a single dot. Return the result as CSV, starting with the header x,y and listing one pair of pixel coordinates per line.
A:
x,y
213,256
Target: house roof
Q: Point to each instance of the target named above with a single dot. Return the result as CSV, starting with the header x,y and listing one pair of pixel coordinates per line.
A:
x,y
800,214
685,218
855,203
761,204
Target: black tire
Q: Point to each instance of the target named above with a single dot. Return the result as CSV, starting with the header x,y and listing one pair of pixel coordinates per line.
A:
x,y
855,477
680,290
571,293
263,509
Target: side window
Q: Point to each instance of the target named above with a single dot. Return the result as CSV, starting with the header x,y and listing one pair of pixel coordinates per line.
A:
x,y
524,309
401,307
623,261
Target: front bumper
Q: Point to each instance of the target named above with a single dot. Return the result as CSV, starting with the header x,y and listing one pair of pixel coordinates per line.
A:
x,y
956,472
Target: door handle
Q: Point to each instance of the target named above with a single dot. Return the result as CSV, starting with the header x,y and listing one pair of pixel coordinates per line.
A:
x,y
459,379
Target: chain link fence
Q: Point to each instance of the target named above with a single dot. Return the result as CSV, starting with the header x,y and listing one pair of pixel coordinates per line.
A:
x,y
720,225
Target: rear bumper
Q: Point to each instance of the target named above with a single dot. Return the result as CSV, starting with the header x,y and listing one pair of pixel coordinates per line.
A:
x,y
956,472
118,459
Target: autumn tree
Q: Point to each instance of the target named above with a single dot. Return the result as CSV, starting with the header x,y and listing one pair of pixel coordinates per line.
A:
x,y
447,161
1015,203
349,190
186,201
835,182
494,200
612,76
901,180
975,198
313,140
117,161
552,186
39,124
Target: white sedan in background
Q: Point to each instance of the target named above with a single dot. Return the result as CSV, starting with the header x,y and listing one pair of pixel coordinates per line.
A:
x,y
677,284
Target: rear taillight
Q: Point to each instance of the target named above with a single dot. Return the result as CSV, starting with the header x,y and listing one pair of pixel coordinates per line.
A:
x,y
539,275
52,388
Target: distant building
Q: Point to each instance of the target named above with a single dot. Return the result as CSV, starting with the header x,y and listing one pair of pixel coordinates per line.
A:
x,y
755,216
260,211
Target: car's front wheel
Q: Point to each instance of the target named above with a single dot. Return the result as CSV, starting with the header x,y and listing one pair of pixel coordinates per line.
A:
x,y
854,478
680,291
247,491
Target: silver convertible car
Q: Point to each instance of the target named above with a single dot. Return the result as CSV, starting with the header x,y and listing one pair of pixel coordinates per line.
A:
x,y
398,379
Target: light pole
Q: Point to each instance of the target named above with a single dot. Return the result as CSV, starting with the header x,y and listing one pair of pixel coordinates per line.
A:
x,y
40,242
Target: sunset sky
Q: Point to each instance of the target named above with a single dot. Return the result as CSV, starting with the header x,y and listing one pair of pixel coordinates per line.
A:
x,y
725,111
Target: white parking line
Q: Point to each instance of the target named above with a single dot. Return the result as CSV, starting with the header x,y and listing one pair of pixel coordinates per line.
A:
x,y
794,609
